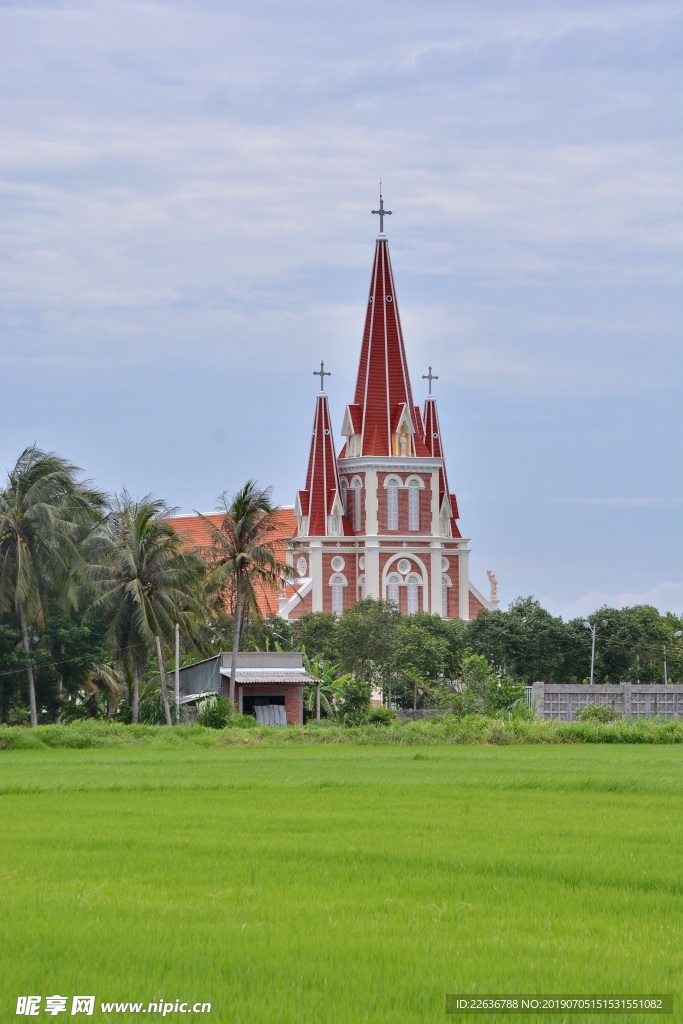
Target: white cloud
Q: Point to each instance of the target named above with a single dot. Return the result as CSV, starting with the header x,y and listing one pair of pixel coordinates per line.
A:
x,y
666,597
625,502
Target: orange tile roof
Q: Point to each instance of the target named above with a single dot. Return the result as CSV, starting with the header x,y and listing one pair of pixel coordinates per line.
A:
x,y
193,529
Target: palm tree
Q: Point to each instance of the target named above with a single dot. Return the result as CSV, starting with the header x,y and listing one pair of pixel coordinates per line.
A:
x,y
46,517
243,558
146,584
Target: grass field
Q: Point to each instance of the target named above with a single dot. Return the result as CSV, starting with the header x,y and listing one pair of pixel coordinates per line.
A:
x,y
340,883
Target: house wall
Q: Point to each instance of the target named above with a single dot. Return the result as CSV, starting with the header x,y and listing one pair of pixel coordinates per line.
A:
x,y
293,694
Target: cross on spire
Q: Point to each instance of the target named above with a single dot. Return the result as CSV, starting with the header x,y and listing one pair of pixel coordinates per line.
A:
x,y
381,212
322,373
430,377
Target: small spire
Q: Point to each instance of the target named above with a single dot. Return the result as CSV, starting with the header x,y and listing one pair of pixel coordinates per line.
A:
x,y
382,213
430,377
322,373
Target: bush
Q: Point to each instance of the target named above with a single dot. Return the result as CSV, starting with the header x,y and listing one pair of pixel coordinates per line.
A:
x,y
215,713
243,721
381,716
599,713
354,702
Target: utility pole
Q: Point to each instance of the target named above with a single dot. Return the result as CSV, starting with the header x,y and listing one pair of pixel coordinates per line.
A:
x,y
177,674
666,677
593,630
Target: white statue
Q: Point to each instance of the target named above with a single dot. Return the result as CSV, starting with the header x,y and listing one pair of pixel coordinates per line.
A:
x,y
494,585
404,444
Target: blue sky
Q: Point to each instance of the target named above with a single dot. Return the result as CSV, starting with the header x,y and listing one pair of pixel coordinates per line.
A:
x,y
185,200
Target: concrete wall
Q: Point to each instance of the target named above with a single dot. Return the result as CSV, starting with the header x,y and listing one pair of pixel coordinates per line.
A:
x,y
563,702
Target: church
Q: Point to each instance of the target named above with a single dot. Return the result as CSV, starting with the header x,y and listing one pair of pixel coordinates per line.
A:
x,y
379,519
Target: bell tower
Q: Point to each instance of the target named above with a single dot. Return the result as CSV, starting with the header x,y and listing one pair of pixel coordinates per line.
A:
x,y
379,520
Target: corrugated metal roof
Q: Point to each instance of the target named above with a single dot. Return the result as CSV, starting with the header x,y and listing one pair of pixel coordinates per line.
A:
x,y
271,675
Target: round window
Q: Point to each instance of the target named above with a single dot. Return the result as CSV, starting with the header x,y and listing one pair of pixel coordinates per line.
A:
x,y
403,565
301,566
337,563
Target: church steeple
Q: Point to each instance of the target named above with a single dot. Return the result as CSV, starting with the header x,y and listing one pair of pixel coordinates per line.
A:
x,y
448,505
382,421
319,507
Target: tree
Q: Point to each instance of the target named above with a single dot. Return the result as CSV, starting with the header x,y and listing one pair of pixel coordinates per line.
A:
x,y
317,631
146,583
323,694
243,560
46,516
366,637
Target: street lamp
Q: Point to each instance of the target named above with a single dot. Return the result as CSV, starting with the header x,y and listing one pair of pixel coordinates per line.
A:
x,y
593,629
678,633
284,639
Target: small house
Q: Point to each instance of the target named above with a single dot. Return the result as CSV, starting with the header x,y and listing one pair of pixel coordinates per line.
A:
x,y
268,684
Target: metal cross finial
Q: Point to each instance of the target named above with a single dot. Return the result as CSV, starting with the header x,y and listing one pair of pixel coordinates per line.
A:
x,y
430,377
382,212
322,373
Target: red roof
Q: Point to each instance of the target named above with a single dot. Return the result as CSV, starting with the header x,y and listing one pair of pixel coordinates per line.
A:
x,y
383,382
322,479
195,532
435,450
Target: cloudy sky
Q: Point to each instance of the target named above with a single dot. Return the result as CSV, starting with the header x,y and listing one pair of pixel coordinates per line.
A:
x,y
185,197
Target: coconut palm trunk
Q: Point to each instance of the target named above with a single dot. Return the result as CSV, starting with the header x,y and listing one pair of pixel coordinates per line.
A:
x,y
26,643
162,676
135,701
236,638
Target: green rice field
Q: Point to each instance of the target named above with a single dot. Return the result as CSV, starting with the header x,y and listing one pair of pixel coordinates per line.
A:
x,y
340,883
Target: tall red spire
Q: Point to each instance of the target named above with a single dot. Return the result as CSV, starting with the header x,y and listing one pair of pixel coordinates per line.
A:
x,y
320,503
383,415
435,450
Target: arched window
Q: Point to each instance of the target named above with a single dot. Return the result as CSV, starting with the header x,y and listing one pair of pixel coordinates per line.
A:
x,y
413,505
361,588
413,582
337,584
392,485
357,485
445,584
393,583
345,496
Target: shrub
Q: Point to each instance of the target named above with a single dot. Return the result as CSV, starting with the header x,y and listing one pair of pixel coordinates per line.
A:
x,y
599,713
381,716
243,721
215,713
354,702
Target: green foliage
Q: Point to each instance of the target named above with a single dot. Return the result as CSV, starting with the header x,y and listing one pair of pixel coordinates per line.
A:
x,y
384,862
599,713
215,712
331,680
381,716
366,637
353,705
317,631
446,730
268,634
237,721
421,649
